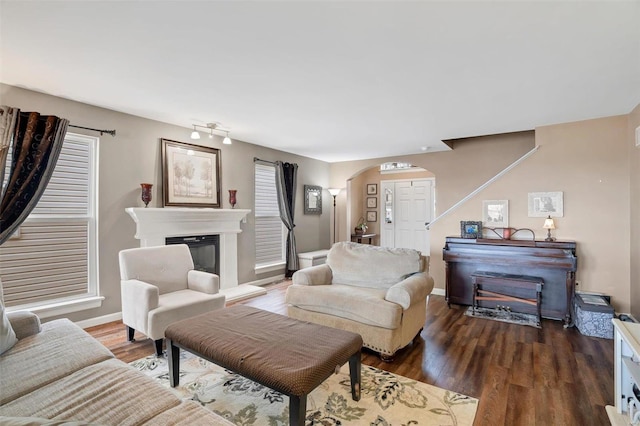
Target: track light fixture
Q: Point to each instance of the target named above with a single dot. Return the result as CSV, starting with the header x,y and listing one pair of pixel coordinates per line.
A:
x,y
211,127
195,134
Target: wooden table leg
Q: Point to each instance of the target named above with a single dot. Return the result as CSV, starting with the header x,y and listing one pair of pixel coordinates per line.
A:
x,y
474,302
297,410
173,354
539,300
355,373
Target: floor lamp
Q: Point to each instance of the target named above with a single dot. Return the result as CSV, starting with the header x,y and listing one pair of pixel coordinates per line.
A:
x,y
334,192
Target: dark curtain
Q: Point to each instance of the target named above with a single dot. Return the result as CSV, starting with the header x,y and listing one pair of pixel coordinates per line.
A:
x,y
286,188
36,144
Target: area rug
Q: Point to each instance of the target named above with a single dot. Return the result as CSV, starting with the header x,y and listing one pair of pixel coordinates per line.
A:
x,y
386,399
503,316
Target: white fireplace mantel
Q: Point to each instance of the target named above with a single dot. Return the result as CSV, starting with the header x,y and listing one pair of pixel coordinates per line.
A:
x,y
154,225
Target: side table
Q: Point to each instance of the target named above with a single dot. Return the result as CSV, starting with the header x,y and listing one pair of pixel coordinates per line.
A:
x,y
359,237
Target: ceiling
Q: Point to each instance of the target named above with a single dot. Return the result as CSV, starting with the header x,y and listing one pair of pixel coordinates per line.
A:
x,y
332,80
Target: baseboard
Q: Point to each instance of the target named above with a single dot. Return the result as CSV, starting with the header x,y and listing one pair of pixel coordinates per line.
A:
x,y
438,291
265,281
92,322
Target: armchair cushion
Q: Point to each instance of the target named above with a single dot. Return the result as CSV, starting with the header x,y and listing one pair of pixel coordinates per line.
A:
x,y
364,305
177,306
363,265
165,267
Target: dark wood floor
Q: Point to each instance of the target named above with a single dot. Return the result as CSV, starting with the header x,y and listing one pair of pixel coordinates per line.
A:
x,y
521,375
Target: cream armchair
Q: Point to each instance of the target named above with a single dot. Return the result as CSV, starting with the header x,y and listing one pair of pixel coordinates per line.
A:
x,y
159,286
379,293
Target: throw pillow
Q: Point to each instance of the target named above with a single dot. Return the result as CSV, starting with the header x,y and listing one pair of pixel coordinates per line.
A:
x,y
7,335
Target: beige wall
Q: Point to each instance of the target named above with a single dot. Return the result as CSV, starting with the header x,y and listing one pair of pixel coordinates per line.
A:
x,y
586,160
133,156
634,169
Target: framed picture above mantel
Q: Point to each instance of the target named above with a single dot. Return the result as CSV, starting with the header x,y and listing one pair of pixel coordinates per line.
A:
x,y
190,175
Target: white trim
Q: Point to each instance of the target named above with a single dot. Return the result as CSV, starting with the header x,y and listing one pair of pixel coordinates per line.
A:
x,y
261,269
439,292
92,322
62,308
483,186
266,281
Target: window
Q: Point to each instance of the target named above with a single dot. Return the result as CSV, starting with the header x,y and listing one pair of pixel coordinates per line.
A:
x,y
270,234
49,266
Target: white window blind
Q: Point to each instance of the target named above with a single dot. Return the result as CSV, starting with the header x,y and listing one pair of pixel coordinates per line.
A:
x,y
270,237
52,258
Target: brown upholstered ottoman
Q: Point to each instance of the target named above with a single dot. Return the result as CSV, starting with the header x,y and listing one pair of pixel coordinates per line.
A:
x,y
282,353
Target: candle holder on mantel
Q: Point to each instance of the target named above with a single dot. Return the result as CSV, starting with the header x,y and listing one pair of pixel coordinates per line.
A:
x,y
146,193
232,198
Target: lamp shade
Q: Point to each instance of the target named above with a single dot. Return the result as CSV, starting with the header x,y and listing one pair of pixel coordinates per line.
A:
x,y
334,191
195,135
226,140
549,224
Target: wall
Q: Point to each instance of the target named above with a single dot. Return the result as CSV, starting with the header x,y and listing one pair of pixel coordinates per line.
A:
x,y
634,169
586,160
134,156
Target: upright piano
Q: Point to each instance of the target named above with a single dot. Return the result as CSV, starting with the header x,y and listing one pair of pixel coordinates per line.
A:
x,y
555,262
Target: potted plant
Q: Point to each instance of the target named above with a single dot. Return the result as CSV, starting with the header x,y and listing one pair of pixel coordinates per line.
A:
x,y
361,227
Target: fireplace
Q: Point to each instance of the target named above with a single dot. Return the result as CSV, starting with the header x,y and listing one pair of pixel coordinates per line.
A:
x,y
205,251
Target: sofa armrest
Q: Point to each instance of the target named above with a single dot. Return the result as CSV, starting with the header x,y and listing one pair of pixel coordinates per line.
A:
x,y
203,282
412,289
315,275
138,297
24,323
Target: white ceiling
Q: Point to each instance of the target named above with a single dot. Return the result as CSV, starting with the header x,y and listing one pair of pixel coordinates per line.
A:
x,y
332,80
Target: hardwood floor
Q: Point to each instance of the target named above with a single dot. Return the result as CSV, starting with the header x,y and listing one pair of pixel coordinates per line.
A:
x,y
521,375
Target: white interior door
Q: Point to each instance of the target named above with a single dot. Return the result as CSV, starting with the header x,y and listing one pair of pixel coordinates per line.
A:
x,y
412,206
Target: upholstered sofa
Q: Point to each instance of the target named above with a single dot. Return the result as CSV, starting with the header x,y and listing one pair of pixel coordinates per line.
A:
x,y
56,374
379,293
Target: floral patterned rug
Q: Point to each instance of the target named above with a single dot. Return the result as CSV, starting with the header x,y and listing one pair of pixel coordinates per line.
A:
x,y
387,399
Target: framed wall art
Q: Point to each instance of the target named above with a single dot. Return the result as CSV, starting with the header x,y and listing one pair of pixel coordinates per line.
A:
x,y
470,229
543,204
495,213
372,189
372,202
372,216
190,175
312,199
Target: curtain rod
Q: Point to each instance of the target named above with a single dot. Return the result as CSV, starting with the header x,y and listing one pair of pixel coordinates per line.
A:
x,y
109,132
257,160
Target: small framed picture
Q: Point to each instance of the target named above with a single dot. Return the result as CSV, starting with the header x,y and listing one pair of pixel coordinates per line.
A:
x,y
495,213
470,229
543,204
372,216
372,202
372,189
